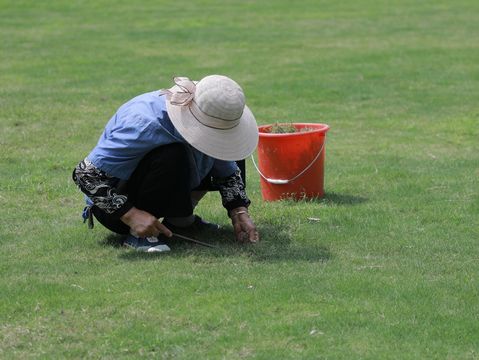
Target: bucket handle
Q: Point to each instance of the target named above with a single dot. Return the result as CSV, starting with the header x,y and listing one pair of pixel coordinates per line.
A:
x,y
287,181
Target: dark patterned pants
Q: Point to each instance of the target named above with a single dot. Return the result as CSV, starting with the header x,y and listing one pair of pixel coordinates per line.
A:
x,y
159,185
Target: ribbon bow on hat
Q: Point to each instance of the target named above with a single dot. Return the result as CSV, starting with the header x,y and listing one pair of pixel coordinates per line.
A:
x,y
183,93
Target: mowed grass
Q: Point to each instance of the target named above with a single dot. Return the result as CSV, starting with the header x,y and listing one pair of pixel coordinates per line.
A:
x,y
391,269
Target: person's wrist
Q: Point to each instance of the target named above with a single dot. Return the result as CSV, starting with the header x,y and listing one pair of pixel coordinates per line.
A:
x,y
128,216
238,211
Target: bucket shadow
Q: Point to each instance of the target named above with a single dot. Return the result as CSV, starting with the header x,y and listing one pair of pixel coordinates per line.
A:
x,y
329,199
276,245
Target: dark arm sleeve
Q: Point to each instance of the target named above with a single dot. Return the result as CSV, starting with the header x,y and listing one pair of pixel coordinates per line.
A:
x,y
232,191
100,188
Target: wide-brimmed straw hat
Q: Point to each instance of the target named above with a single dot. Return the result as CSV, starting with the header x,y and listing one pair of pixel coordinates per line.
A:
x,y
211,115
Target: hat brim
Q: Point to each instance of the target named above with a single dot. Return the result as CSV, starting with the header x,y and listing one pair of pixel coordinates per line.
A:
x,y
232,144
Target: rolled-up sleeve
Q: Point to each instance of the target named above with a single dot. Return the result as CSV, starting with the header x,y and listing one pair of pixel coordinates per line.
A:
x,y
232,190
100,188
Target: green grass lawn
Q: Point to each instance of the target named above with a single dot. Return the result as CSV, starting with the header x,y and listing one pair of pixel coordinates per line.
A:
x,y
391,270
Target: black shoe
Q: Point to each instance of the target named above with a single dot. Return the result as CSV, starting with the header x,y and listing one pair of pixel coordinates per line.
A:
x,y
146,244
199,225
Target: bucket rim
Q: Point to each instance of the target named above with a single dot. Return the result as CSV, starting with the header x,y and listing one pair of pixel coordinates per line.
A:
x,y
319,128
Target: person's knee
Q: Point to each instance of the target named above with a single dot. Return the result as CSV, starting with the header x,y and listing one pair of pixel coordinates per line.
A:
x,y
196,196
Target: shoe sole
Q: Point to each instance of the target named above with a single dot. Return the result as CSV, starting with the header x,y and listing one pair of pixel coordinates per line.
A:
x,y
150,249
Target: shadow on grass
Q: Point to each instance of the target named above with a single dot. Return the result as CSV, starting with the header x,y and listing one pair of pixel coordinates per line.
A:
x,y
275,246
113,240
331,199
276,241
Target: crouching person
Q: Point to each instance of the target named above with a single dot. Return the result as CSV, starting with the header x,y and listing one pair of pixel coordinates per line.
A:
x,y
157,152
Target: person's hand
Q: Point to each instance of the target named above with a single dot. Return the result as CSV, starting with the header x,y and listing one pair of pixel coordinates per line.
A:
x,y
244,228
143,224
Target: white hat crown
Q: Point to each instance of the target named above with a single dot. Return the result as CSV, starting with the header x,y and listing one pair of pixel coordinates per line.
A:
x,y
220,97
211,115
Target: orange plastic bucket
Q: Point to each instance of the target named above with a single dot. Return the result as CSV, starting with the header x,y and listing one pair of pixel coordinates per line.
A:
x,y
291,165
